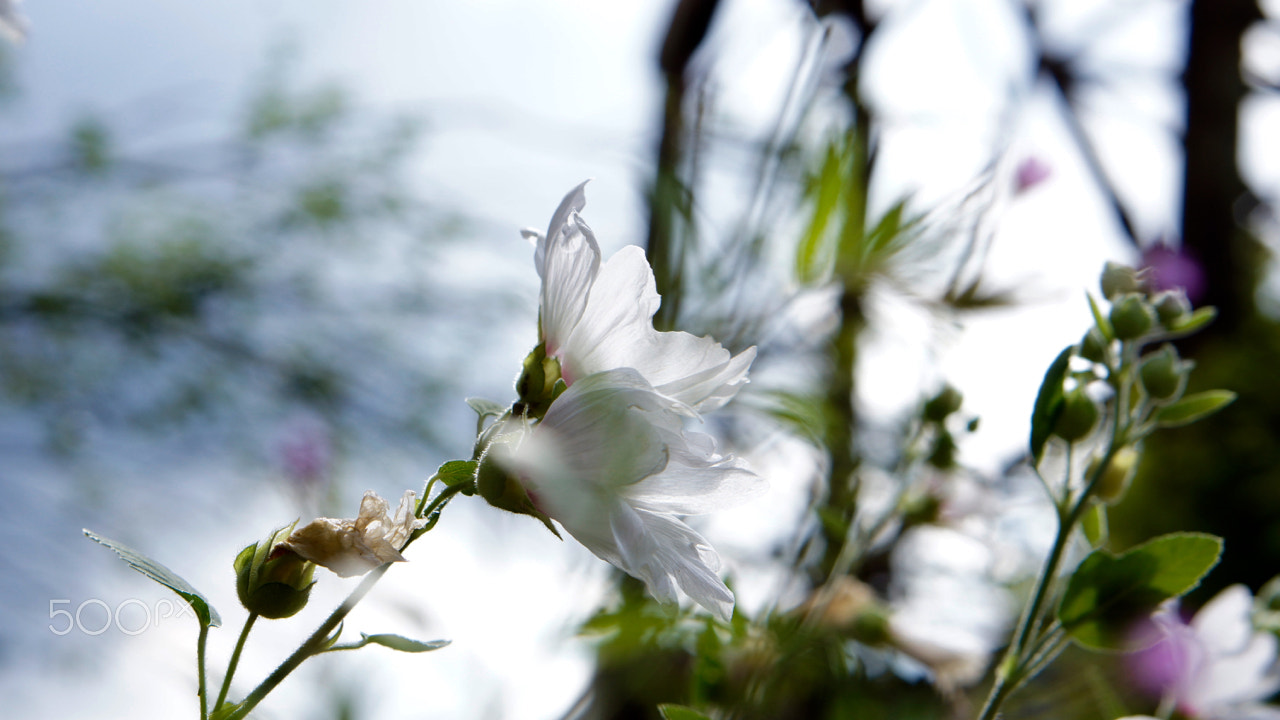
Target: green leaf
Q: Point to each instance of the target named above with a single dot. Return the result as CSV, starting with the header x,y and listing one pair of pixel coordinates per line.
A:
x,y
163,575
1193,322
486,408
227,710
1101,320
813,252
1193,407
403,644
681,712
456,472
1107,594
1049,403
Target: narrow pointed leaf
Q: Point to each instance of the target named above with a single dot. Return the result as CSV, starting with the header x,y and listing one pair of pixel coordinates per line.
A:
x,y
403,644
680,712
1048,403
1194,322
1100,319
163,575
1194,407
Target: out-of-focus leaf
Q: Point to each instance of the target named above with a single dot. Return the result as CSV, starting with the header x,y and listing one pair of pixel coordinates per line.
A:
x,y
681,712
813,252
163,575
1194,322
1049,403
1193,407
1100,319
1107,593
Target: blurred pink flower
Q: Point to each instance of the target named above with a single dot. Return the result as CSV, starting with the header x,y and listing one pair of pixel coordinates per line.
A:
x,y
1169,268
1031,172
306,454
1217,667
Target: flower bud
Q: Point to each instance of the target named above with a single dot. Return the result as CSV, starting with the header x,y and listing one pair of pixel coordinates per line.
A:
x,y
502,489
1079,415
540,381
1119,280
272,580
947,401
1115,479
1163,374
1093,347
1132,317
1171,306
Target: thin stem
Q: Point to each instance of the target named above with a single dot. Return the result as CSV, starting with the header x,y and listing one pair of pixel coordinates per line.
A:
x,y
313,645
200,645
235,660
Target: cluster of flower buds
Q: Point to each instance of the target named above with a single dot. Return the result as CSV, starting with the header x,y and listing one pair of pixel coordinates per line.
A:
x,y
1139,316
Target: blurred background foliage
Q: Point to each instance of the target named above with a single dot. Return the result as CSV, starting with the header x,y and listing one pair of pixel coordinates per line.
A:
x,y
205,294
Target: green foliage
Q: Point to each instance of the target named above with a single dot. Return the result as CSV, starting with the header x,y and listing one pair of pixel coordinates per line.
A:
x,y
1049,403
204,611
680,712
395,642
1193,407
1108,593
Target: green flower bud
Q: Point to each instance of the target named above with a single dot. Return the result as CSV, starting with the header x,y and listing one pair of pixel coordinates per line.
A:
x,y
1079,415
1171,306
947,401
1093,347
1119,280
1132,317
271,580
502,489
540,382
1163,374
1115,480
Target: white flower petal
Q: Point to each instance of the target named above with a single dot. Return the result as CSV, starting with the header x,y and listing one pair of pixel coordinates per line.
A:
x,y
616,330
666,553
568,259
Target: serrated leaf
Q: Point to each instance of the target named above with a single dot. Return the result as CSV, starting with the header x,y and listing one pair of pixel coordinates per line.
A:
x,y
1107,593
1048,403
681,712
456,472
1194,322
403,644
1100,319
163,575
1193,407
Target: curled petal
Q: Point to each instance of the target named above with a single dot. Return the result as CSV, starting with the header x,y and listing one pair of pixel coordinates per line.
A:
x,y
354,547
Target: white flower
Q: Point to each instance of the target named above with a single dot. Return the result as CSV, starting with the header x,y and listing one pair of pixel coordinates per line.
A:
x,y
598,317
612,463
1217,667
354,547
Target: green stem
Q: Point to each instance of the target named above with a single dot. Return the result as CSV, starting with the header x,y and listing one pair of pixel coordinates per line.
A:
x,y
200,645
235,660
312,646
1015,666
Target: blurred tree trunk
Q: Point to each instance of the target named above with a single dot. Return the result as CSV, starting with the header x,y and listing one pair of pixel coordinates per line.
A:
x,y
1215,199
